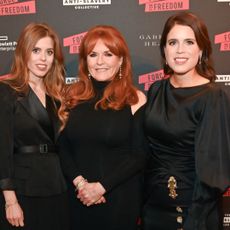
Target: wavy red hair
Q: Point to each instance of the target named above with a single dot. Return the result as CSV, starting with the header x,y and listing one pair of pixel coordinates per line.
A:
x,y
120,91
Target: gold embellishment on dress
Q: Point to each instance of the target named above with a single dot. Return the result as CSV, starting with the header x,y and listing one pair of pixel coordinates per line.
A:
x,y
172,185
179,209
179,219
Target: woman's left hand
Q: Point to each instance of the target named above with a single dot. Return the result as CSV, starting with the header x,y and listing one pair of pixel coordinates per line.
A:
x,y
91,193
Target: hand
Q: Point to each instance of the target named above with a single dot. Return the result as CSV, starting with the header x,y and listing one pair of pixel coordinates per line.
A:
x,y
101,200
14,214
91,193
79,179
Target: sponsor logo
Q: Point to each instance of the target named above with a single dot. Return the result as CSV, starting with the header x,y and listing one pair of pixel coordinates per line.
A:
x,y
14,7
224,40
70,80
227,193
86,4
150,39
6,45
164,5
223,79
149,78
74,42
4,76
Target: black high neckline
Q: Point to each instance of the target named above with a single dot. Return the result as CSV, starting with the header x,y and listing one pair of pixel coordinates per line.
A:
x,y
99,85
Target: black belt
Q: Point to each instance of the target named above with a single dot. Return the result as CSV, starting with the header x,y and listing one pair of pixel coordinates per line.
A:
x,y
42,148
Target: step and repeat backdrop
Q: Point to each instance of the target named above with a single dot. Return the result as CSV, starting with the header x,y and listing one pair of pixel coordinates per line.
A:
x,y
140,21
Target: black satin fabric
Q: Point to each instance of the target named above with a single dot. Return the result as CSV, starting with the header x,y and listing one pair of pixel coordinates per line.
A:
x,y
188,131
35,177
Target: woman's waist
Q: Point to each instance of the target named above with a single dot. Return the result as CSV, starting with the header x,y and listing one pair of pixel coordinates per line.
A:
x,y
169,194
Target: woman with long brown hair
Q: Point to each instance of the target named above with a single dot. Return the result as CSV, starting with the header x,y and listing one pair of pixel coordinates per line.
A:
x,y
33,188
187,126
99,145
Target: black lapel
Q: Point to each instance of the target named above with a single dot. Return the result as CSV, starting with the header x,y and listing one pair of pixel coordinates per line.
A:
x,y
34,107
52,107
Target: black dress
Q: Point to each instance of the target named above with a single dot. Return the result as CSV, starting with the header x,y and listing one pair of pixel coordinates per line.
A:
x,y
188,133
98,144
29,163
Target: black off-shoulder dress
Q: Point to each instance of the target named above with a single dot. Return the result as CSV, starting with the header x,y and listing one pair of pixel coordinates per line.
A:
x,y
102,146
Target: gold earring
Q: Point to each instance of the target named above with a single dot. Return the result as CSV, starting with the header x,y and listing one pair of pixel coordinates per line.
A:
x,y
120,74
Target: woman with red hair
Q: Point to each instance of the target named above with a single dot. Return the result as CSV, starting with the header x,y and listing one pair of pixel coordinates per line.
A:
x,y
99,148
33,189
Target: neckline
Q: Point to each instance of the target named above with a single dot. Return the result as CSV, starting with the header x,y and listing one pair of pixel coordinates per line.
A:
x,y
99,85
187,87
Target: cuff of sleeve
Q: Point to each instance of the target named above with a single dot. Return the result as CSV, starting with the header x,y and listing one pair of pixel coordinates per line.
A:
x,y
7,184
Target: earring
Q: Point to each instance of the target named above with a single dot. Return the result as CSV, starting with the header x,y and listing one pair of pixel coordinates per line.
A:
x,y
120,74
166,63
200,61
89,76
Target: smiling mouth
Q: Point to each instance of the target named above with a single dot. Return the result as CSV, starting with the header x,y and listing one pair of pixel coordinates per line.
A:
x,y
180,60
101,70
41,66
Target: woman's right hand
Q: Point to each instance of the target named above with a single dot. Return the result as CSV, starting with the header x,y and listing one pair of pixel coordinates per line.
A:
x,y
14,214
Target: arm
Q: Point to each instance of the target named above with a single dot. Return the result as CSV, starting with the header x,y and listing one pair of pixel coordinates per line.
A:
x,y
212,148
14,213
128,167
134,162
70,169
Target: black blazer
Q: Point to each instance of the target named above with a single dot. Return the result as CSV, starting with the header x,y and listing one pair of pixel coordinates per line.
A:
x,y
25,122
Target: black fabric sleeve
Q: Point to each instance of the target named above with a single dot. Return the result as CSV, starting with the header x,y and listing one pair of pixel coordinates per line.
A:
x,y
67,163
212,151
7,137
135,161
212,147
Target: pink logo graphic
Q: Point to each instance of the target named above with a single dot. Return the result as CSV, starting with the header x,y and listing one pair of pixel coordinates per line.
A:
x,y
13,7
224,40
4,76
227,193
150,78
164,5
74,42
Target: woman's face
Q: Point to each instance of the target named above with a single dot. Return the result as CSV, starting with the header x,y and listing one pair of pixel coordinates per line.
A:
x,y
41,58
182,52
102,63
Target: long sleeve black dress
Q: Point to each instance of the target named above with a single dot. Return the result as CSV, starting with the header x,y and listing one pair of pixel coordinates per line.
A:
x,y
188,131
102,146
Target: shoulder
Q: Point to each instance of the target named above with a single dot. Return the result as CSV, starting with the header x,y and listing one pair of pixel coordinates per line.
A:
x,y
141,97
217,95
141,101
6,90
157,85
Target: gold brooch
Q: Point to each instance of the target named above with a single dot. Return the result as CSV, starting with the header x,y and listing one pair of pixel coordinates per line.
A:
x,y
172,185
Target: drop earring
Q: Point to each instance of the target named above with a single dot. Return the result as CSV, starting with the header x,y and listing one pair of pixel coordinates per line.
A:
x,y
120,74
200,57
89,76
